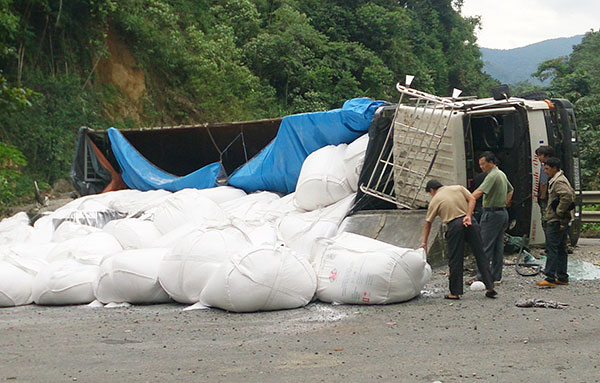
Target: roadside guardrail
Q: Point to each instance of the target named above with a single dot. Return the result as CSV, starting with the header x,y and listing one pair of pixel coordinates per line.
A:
x,y
590,197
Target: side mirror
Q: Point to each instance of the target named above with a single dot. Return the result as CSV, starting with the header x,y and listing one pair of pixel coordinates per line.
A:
x,y
501,92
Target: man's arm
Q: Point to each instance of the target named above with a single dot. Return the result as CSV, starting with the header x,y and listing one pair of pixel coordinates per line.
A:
x,y
566,197
509,198
477,194
426,230
472,202
543,191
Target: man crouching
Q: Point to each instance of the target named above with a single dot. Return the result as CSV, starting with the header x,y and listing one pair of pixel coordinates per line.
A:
x,y
454,204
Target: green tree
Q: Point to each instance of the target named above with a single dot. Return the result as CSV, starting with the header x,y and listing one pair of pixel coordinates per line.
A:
x,y
577,78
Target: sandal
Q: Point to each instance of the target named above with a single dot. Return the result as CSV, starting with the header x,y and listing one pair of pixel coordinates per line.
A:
x,y
451,297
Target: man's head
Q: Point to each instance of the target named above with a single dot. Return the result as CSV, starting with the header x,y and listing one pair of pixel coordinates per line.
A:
x,y
432,187
487,161
551,166
544,152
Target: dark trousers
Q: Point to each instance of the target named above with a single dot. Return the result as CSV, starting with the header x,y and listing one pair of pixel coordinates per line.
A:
x,y
493,225
456,236
556,253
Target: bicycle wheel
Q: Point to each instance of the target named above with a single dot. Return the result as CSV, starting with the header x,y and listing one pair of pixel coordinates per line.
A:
x,y
526,265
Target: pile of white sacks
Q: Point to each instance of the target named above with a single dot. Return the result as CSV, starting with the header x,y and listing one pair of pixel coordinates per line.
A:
x,y
210,248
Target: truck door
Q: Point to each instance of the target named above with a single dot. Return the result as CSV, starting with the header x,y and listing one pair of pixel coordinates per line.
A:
x,y
562,136
504,132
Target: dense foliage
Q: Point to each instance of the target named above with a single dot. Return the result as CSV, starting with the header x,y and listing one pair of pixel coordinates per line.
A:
x,y
207,60
577,78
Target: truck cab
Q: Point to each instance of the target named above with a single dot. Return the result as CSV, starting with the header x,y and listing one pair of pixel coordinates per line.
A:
x,y
431,137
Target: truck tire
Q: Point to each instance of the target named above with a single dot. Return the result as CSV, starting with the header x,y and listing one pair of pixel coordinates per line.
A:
x,y
535,95
574,232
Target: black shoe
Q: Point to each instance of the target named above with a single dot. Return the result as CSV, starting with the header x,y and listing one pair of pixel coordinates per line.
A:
x,y
491,293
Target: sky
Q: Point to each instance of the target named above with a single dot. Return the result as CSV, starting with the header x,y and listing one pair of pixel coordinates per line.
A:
x,y
510,24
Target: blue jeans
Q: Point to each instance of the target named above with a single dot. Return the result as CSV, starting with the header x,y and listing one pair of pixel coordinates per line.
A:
x,y
556,253
493,224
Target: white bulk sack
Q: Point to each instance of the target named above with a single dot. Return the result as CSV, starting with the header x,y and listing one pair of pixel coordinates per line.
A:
x,y
322,180
354,159
265,278
7,224
173,237
251,208
133,233
359,270
221,194
69,230
131,276
89,249
15,229
30,256
264,233
65,283
187,207
299,230
184,272
15,285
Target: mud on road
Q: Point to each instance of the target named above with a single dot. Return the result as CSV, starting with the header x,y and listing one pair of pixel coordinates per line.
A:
x,y
425,340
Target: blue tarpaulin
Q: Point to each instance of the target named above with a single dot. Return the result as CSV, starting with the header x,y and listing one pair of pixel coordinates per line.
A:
x,y
139,173
276,168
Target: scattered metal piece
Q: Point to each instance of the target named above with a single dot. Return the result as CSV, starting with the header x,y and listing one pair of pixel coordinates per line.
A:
x,y
542,303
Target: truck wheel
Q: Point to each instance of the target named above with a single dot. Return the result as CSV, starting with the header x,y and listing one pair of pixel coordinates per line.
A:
x,y
535,95
574,231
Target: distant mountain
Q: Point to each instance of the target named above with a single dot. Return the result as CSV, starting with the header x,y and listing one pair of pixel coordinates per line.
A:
x,y
510,66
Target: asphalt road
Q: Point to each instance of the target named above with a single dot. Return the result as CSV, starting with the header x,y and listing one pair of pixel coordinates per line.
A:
x,y
425,340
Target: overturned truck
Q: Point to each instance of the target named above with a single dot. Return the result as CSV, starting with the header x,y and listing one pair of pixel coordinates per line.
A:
x,y
423,136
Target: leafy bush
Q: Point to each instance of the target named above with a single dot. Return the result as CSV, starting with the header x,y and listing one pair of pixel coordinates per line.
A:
x,y
11,163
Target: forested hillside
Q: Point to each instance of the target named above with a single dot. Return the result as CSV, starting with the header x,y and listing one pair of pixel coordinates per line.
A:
x,y
133,63
511,66
577,78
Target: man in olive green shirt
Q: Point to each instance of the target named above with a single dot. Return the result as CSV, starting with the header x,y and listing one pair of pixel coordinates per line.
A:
x,y
497,193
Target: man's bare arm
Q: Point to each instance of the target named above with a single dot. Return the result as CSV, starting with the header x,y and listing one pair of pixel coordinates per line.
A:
x,y
543,191
509,198
426,231
472,202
